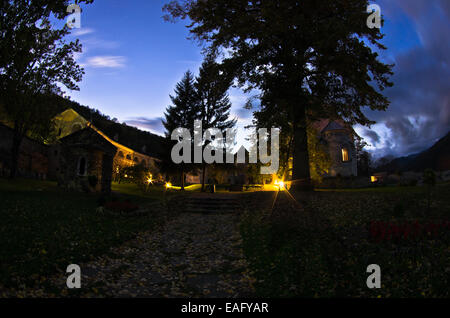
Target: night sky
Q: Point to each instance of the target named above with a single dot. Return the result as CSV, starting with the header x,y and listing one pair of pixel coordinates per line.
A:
x,y
133,60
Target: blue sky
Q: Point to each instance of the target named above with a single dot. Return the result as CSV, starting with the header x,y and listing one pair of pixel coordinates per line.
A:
x,y
133,59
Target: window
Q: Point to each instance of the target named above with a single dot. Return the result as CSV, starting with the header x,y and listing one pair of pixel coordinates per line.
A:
x,y
128,157
82,166
120,154
345,155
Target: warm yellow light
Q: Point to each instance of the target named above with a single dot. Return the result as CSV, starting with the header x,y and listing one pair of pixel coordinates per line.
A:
x,y
168,185
279,184
149,180
126,176
373,179
344,155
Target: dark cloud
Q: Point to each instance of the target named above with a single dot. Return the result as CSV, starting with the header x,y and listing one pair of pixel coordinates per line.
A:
x,y
153,124
411,135
420,99
372,136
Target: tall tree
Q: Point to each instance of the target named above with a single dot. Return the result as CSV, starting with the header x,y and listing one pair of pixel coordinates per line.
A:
x,y
182,113
34,61
306,57
212,87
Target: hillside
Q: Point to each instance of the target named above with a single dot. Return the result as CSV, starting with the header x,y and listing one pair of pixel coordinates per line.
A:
x,y
436,157
132,137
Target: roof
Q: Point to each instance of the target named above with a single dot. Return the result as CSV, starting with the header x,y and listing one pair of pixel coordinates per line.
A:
x,y
324,125
111,141
88,138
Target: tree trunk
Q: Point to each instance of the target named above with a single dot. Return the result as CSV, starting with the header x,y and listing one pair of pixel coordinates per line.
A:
x,y
182,179
203,177
301,179
15,153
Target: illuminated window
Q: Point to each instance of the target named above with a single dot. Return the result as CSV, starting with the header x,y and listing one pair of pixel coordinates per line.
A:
x,y
344,154
373,179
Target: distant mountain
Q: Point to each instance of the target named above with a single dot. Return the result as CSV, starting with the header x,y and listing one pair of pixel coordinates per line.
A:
x,y
437,158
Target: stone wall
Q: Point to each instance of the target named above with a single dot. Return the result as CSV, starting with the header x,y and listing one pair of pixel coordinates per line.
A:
x,y
33,157
69,175
336,141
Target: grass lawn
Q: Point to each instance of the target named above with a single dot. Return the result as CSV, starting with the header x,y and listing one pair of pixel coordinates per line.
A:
x,y
44,229
323,248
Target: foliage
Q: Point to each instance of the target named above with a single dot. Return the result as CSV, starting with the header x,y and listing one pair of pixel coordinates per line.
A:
x,y
35,60
323,250
184,110
185,106
429,179
319,158
363,158
137,174
44,229
212,87
307,57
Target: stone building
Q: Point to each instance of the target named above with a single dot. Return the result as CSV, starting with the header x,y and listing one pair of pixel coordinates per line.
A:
x,y
80,156
338,139
85,161
69,122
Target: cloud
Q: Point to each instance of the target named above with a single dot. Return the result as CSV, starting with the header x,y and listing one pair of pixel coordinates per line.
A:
x,y
82,31
153,124
96,43
105,62
419,113
372,135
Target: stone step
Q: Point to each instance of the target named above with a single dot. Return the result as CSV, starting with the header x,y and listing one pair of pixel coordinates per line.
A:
x,y
209,205
213,206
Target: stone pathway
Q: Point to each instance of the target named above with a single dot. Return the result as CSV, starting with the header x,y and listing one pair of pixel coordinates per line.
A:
x,y
193,255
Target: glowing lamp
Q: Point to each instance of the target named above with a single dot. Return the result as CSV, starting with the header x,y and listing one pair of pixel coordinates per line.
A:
x,y
168,185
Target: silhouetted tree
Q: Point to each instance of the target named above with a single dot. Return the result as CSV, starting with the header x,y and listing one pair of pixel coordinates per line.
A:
x,y
362,158
212,87
181,114
34,59
306,57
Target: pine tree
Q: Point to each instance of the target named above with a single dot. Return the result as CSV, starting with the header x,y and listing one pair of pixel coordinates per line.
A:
x,y
308,58
212,87
181,114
